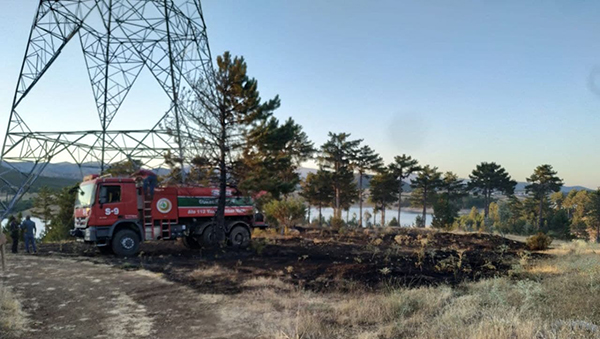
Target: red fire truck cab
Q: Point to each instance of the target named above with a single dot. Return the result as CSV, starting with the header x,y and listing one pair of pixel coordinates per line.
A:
x,y
114,214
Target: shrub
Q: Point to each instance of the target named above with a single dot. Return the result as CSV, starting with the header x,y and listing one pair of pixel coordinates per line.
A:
x,y
337,223
539,242
285,213
394,222
419,222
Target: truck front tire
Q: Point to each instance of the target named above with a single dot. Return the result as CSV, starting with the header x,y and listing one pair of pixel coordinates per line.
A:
x,y
126,243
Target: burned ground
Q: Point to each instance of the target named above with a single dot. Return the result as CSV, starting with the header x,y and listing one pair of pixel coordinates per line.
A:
x,y
322,260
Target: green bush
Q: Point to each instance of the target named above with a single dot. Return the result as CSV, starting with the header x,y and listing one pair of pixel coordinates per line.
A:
x,y
394,222
539,242
337,223
419,222
285,213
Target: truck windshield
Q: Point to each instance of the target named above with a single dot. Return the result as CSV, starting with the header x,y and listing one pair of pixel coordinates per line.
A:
x,y
85,196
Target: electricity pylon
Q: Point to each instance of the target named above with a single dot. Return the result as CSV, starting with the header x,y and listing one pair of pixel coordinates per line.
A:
x,y
118,38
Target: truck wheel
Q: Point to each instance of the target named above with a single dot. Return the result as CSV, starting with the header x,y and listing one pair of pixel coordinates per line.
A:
x,y
239,237
126,243
191,242
208,238
107,249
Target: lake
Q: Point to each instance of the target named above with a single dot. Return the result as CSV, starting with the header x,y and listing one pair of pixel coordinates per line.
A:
x,y
38,224
406,218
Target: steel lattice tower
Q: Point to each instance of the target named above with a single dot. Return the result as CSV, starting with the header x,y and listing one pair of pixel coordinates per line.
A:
x,y
118,38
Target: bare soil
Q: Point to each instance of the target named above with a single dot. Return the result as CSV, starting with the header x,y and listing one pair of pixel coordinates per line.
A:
x,y
322,260
70,290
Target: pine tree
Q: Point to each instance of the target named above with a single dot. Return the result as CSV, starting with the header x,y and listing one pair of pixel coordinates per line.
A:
x,y
272,154
593,216
383,191
217,119
402,167
488,178
318,191
425,184
337,155
445,208
42,204
543,181
62,222
365,160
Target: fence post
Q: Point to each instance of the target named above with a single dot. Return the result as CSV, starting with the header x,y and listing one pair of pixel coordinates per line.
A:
x,y
2,250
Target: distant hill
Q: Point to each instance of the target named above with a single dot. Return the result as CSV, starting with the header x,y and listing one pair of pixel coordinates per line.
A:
x,y
66,169
58,170
68,173
565,189
53,183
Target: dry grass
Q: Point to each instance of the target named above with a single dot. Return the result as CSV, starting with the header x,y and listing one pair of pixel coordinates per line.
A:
x,y
212,272
550,298
12,317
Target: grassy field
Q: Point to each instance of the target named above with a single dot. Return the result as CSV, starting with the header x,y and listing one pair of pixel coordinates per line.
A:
x,y
555,297
12,318
465,285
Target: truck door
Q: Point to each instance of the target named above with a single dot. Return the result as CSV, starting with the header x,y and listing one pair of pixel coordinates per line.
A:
x,y
109,204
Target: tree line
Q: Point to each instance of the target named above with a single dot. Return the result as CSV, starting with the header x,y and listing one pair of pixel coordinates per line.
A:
x,y
238,142
242,144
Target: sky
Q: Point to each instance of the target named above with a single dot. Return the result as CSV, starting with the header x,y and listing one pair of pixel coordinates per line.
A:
x,y
451,83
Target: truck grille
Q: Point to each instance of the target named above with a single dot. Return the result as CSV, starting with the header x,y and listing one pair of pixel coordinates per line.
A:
x,y
81,222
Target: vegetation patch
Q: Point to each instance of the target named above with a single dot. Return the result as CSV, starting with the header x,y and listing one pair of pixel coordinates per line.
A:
x,y
12,317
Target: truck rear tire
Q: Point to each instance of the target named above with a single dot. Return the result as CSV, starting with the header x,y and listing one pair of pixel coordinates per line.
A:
x,y
239,237
126,243
208,238
191,242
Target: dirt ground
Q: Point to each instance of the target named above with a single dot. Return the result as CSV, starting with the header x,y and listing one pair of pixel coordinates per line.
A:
x,y
321,260
71,290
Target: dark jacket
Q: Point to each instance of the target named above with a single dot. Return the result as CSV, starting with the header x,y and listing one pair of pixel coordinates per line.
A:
x,y
13,227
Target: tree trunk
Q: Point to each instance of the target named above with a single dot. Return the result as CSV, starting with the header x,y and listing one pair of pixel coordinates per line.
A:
x,y
219,227
424,207
320,217
541,217
382,216
374,216
309,214
337,211
360,199
448,211
399,200
347,215
486,202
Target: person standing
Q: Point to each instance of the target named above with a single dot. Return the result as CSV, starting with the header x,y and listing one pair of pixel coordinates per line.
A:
x,y
29,229
13,227
150,181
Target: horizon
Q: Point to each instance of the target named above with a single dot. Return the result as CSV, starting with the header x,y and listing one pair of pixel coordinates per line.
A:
x,y
450,85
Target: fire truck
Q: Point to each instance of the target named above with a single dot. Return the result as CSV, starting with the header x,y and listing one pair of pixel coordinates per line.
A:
x,y
116,216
